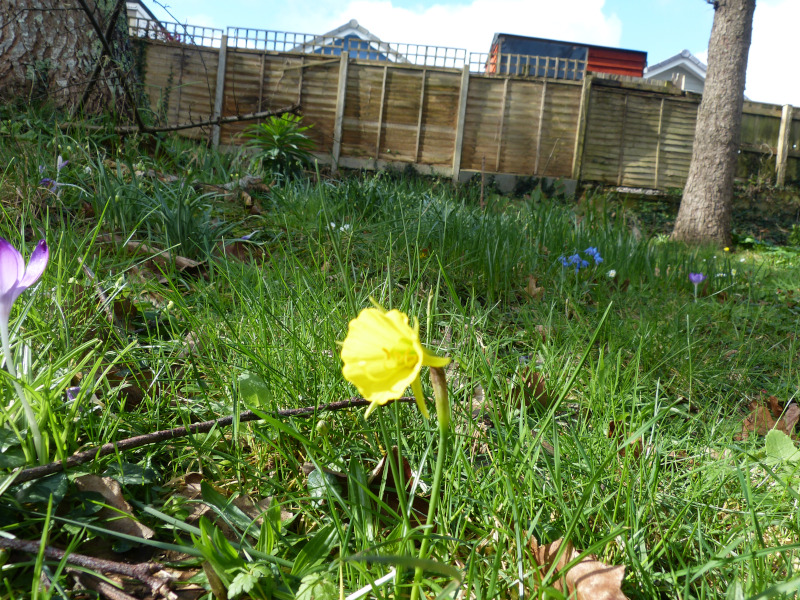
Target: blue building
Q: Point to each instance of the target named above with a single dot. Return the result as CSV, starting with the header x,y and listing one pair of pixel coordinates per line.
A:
x,y
353,38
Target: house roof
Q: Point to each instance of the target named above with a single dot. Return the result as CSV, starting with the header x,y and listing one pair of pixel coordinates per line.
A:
x,y
352,29
131,3
685,59
498,36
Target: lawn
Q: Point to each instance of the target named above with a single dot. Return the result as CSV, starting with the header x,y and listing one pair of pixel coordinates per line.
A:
x,y
610,423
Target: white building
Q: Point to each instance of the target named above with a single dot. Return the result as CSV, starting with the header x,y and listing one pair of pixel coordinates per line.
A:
x,y
685,70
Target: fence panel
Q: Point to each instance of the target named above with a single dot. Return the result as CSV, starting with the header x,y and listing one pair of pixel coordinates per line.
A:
x,y
180,82
482,124
362,111
439,117
406,110
559,129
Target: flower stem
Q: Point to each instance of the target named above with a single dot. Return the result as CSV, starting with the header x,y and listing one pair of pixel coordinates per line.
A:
x,y
26,407
434,503
439,382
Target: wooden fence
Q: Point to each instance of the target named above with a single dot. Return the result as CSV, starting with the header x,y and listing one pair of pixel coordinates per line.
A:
x,y
449,120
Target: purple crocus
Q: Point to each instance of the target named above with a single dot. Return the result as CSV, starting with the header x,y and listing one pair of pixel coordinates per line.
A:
x,y
15,277
50,184
61,163
696,279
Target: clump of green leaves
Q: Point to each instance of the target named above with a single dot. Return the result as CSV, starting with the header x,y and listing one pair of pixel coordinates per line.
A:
x,y
794,236
282,144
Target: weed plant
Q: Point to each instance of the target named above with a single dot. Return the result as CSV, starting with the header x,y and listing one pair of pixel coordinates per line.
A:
x,y
635,456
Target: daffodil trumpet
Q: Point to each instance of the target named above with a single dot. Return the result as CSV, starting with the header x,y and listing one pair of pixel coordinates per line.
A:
x,y
383,356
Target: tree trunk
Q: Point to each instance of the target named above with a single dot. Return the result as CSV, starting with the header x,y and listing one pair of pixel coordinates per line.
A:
x,y
49,52
705,211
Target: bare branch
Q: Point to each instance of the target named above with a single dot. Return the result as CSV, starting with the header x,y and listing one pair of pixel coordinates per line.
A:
x,y
107,49
171,434
144,572
99,66
294,109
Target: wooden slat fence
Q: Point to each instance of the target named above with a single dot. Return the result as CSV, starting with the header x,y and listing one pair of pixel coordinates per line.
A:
x,y
449,120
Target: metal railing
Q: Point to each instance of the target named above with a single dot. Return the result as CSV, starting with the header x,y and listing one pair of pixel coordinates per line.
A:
x,y
520,65
175,32
327,45
527,66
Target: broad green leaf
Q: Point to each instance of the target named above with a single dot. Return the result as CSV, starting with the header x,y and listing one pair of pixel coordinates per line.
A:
x,y
254,390
318,483
12,458
781,447
224,506
39,491
131,474
316,551
316,586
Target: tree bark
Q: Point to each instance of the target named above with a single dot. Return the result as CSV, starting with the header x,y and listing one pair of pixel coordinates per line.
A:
x,y
705,212
49,52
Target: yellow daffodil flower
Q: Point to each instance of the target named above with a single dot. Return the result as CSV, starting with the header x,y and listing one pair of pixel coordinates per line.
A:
x,y
383,355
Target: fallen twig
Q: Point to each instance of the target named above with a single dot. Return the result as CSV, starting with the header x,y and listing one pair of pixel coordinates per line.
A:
x,y
144,572
85,456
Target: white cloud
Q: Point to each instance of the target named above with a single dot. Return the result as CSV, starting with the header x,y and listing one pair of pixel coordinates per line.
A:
x,y
473,25
772,71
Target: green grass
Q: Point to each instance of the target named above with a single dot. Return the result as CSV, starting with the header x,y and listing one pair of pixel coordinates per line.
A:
x,y
689,510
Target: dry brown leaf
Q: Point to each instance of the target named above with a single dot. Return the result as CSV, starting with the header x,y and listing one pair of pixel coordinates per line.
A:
x,y
419,505
111,492
589,579
617,432
131,386
544,332
125,311
535,292
531,386
763,418
241,250
162,257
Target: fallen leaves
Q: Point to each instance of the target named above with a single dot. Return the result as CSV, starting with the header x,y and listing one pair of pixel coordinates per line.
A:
x,y
767,415
116,506
535,292
530,386
588,579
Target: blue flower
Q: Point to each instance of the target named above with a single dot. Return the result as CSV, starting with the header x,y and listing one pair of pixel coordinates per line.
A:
x,y
595,254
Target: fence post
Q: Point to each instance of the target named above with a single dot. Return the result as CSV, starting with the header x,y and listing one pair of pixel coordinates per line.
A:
x,y
219,94
539,127
341,92
783,144
462,113
583,119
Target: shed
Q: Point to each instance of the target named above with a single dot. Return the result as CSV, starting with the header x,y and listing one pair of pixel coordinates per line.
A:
x,y
568,60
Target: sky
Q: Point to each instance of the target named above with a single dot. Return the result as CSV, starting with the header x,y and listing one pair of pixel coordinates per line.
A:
x,y
662,28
